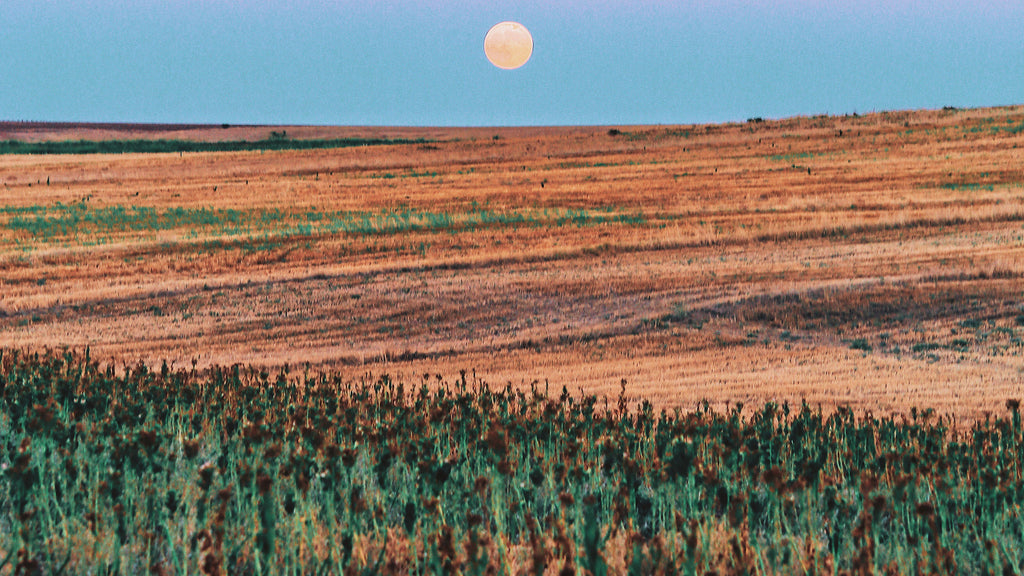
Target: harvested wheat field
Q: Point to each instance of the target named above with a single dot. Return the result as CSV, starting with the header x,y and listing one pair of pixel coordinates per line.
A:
x,y
871,261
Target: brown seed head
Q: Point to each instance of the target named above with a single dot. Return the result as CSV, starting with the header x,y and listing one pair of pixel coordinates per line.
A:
x,y
775,477
148,438
497,440
191,448
264,482
482,484
272,451
348,457
926,509
868,482
432,505
505,467
206,472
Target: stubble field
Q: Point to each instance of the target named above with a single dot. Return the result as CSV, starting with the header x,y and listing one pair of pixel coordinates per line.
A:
x,y
870,261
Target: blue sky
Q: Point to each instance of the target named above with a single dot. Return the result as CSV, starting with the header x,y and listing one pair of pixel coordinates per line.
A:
x,y
422,63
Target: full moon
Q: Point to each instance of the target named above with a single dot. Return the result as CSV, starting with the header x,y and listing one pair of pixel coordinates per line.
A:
x,y
508,45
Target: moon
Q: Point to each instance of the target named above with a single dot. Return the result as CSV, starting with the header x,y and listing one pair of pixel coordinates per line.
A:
x,y
508,45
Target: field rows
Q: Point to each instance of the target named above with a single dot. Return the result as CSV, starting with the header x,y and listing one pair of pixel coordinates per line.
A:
x,y
873,260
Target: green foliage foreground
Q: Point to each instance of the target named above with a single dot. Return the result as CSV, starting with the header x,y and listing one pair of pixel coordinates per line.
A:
x,y
236,471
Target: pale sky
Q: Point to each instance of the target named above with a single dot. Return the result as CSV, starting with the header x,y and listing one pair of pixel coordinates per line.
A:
x,y
363,62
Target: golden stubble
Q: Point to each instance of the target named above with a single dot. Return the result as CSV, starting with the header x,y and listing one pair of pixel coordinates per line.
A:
x,y
871,261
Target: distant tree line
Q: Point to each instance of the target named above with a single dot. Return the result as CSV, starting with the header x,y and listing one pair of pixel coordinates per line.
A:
x,y
163,146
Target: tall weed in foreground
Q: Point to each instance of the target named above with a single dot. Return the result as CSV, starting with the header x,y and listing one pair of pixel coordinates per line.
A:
x,y
240,471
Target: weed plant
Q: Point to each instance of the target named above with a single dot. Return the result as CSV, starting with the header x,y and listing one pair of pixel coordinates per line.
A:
x,y
240,471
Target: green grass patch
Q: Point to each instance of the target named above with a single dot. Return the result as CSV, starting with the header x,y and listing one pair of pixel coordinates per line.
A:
x,y
794,156
926,347
969,187
860,344
73,220
1009,128
84,223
